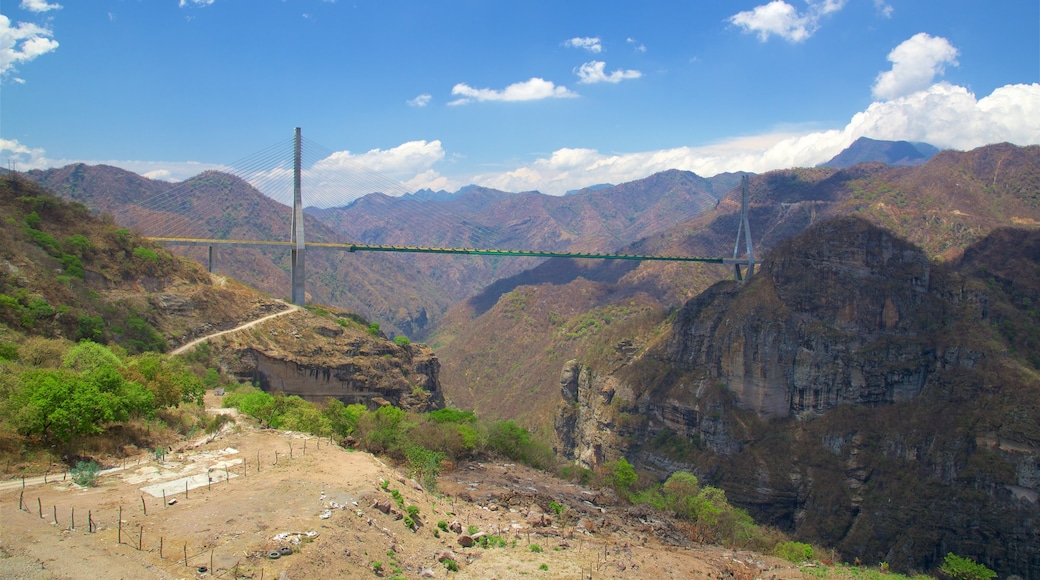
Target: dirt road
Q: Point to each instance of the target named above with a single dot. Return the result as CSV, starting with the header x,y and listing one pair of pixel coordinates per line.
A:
x,y
190,345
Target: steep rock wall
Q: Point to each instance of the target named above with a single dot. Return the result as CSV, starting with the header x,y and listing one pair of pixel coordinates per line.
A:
x,y
852,393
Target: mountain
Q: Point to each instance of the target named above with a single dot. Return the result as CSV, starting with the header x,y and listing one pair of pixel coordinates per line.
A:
x,y
854,394
407,293
66,273
217,205
501,368
897,153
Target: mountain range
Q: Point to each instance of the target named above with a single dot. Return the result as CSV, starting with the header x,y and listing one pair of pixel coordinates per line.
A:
x,y
921,278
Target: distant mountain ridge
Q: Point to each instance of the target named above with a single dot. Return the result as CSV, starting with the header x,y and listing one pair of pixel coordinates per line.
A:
x,y
406,293
896,153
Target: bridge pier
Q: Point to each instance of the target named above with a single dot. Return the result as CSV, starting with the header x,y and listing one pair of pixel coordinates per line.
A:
x,y
299,294
209,259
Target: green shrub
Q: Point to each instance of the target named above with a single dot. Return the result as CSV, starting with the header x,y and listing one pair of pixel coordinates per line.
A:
x,y
85,473
535,548
443,525
452,415
543,567
960,568
451,565
402,340
33,220
8,351
794,551
622,476
373,329
424,465
146,255
90,328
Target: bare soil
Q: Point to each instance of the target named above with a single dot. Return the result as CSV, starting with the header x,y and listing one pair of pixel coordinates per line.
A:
x,y
316,501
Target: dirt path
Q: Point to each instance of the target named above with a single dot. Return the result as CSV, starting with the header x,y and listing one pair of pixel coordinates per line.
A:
x,y
190,345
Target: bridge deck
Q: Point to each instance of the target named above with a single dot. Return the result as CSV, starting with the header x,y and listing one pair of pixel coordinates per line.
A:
x,y
350,247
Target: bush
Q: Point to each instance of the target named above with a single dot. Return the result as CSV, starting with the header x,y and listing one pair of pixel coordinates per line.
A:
x,y
623,476
402,340
960,568
85,473
795,552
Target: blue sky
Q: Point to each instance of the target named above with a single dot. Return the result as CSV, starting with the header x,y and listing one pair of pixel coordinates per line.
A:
x,y
514,95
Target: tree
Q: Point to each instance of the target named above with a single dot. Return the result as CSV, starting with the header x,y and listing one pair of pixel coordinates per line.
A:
x,y
623,476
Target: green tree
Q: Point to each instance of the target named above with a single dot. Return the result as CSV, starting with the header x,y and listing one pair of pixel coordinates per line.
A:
x,y
623,476
960,568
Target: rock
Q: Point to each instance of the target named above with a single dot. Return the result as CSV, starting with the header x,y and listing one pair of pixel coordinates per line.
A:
x,y
455,526
382,505
427,573
465,541
445,555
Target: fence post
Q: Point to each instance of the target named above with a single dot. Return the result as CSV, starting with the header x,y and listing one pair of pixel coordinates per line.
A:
x,y
119,537
39,505
185,555
144,506
73,519
55,514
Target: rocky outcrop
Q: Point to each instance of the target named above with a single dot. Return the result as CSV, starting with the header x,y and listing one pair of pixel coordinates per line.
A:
x,y
828,325
587,424
316,358
852,393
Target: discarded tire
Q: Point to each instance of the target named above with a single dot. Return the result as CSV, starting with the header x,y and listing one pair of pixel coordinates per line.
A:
x,y
285,551
274,555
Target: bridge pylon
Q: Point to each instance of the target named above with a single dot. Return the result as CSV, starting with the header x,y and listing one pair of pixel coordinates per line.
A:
x,y
744,227
296,235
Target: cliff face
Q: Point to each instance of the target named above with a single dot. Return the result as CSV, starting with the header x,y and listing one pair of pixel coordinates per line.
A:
x,y
852,393
317,357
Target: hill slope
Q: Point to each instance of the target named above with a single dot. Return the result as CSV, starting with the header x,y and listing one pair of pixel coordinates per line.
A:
x,y
853,393
944,205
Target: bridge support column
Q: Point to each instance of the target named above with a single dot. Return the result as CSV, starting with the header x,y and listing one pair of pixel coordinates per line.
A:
x,y
209,260
298,271
744,227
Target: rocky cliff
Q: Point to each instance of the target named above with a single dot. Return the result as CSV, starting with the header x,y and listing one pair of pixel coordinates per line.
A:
x,y
324,355
853,393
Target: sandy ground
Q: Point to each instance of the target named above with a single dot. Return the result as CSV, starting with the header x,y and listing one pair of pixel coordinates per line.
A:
x,y
316,501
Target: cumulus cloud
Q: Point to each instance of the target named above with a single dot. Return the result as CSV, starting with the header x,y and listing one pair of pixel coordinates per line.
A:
x,y
420,101
22,43
184,3
39,6
781,19
944,115
592,72
589,43
530,90
915,64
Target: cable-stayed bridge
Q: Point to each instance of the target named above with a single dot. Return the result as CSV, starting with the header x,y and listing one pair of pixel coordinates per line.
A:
x,y
178,217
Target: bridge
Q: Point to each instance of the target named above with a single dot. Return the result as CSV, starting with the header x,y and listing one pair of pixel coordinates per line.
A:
x,y
298,245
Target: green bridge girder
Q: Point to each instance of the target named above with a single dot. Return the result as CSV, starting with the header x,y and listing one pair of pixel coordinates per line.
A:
x,y
350,247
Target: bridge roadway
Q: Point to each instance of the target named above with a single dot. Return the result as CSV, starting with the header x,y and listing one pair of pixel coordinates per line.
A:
x,y
351,247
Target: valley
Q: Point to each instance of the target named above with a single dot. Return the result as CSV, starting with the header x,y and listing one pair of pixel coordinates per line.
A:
x,y
870,391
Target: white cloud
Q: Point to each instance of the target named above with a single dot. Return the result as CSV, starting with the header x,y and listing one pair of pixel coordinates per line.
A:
x,y
184,3
530,90
420,101
22,43
640,47
884,8
591,44
915,64
164,174
944,115
781,19
401,162
39,6
592,72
